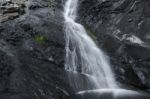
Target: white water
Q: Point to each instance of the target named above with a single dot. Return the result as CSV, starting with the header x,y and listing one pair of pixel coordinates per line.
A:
x,y
110,94
82,54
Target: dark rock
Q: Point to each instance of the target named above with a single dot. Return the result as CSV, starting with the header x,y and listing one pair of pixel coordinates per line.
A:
x,y
121,28
35,43
35,6
6,69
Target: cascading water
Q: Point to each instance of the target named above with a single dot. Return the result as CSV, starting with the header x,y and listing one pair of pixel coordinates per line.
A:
x,y
88,64
82,54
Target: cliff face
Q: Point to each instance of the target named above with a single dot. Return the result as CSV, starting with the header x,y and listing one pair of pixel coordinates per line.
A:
x,y
32,50
121,28
32,44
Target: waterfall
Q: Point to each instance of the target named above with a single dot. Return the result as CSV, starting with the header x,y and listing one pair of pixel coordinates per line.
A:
x,y
82,54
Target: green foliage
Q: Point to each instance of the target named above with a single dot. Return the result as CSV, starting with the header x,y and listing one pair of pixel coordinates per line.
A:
x,y
40,39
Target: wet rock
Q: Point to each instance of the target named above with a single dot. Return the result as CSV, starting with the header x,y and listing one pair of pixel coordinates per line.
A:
x,y
121,28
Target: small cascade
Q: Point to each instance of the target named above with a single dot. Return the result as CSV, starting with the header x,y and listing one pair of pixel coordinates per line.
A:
x,y
83,55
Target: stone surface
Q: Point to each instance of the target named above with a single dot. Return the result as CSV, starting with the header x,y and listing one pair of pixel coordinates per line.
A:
x,y
32,53
121,28
11,9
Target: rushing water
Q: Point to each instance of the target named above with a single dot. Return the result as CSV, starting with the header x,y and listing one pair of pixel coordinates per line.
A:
x,y
83,55
89,69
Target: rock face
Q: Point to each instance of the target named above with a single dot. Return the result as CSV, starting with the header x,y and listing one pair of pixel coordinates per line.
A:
x,y
32,51
11,9
121,28
32,44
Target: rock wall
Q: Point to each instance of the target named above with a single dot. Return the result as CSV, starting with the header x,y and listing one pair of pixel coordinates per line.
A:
x,y
32,44
10,9
121,28
32,50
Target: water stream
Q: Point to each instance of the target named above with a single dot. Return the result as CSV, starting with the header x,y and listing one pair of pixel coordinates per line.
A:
x,y
89,69
83,55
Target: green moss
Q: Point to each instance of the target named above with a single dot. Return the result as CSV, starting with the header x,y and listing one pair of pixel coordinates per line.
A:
x,y
40,39
91,34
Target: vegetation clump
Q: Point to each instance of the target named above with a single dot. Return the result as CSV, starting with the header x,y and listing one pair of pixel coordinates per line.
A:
x,y
40,39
